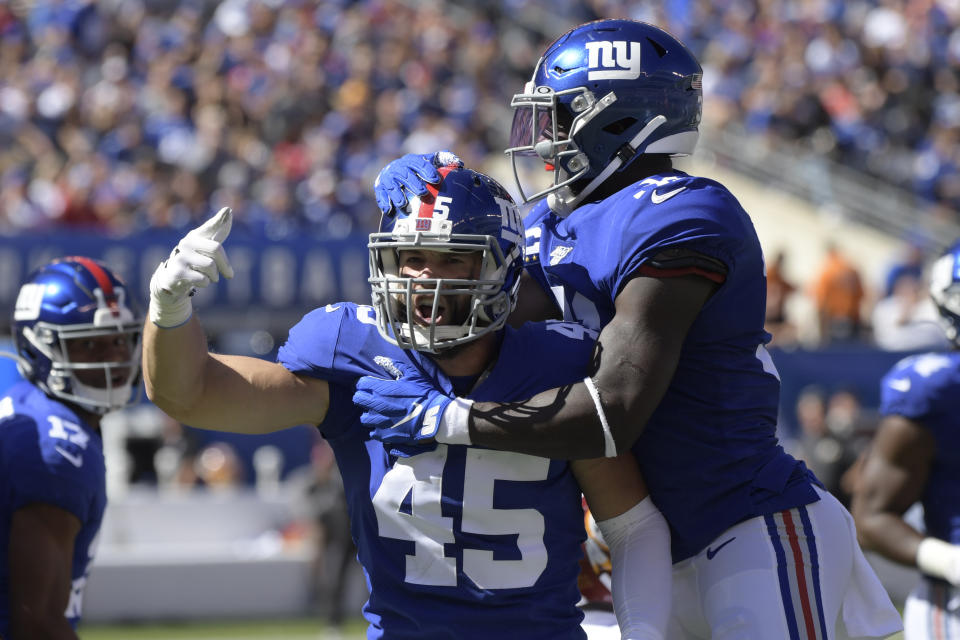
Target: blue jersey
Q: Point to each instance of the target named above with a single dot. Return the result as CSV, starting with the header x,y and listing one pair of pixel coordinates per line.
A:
x,y
456,542
926,389
709,452
49,455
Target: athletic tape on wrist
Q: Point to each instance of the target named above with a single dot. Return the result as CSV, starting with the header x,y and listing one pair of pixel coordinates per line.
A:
x,y
609,446
454,424
172,314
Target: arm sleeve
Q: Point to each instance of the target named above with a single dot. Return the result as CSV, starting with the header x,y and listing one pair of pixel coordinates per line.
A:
x,y
642,570
37,472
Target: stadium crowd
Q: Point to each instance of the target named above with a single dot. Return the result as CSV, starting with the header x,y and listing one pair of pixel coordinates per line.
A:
x,y
152,113
122,116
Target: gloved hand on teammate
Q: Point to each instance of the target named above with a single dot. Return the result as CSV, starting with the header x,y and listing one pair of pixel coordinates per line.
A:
x,y
196,261
412,173
411,411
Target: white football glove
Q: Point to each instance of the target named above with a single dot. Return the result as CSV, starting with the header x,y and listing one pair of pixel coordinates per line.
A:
x,y
196,261
940,559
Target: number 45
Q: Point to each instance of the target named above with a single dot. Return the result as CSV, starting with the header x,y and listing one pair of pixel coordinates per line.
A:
x,y
419,478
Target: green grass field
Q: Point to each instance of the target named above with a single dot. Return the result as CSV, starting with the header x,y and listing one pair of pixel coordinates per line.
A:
x,y
300,629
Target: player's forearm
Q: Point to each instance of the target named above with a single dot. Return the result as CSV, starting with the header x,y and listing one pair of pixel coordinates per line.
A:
x,y
559,423
174,363
569,422
887,534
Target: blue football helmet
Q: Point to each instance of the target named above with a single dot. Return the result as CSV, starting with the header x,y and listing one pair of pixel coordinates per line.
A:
x,y
72,299
601,95
466,211
945,290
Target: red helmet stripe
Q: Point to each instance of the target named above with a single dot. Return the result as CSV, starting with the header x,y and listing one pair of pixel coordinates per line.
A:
x,y
433,190
106,285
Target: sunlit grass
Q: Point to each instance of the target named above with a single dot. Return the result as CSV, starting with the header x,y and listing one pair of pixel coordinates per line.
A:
x,y
300,629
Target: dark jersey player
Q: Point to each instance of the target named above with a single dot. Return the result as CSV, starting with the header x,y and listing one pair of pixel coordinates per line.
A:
x,y
915,457
77,350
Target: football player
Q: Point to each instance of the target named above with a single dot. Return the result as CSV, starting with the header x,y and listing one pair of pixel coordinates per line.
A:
x,y
668,268
76,338
456,541
915,457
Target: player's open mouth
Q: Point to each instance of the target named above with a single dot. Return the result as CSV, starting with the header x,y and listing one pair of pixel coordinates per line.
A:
x,y
424,313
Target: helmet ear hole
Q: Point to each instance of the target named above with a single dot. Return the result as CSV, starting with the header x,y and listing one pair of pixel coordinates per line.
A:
x,y
618,127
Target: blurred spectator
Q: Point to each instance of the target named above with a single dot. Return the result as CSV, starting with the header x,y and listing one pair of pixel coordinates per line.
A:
x,y
835,430
838,295
906,320
779,291
910,262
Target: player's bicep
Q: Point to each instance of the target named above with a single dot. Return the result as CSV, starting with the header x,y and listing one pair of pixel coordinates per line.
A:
x,y
611,486
638,351
41,560
896,467
250,395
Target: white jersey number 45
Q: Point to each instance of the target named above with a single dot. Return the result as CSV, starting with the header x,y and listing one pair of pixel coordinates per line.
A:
x,y
423,523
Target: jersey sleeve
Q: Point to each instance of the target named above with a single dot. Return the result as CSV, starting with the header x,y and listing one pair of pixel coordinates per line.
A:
x,y
533,234
918,387
43,469
539,356
702,218
329,343
334,343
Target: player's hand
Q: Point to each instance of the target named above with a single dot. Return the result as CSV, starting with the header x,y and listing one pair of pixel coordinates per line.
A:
x,y
412,173
403,411
196,261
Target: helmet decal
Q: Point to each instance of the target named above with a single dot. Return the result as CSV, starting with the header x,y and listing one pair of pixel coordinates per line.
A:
x,y
432,209
613,60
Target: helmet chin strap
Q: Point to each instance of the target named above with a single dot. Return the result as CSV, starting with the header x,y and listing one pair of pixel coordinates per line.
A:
x,y
563,201
16,357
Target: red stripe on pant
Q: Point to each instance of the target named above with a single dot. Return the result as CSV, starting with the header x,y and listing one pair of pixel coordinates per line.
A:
x,y
801,573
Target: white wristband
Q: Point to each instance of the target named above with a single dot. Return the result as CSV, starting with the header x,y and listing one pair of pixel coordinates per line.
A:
x,y
609,445
169,315
939,559
454,426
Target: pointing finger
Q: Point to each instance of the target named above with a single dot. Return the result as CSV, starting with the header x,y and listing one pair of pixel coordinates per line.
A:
x,y
218,226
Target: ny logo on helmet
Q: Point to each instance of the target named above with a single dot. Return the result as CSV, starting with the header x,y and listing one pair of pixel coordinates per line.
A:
x,y
614,59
